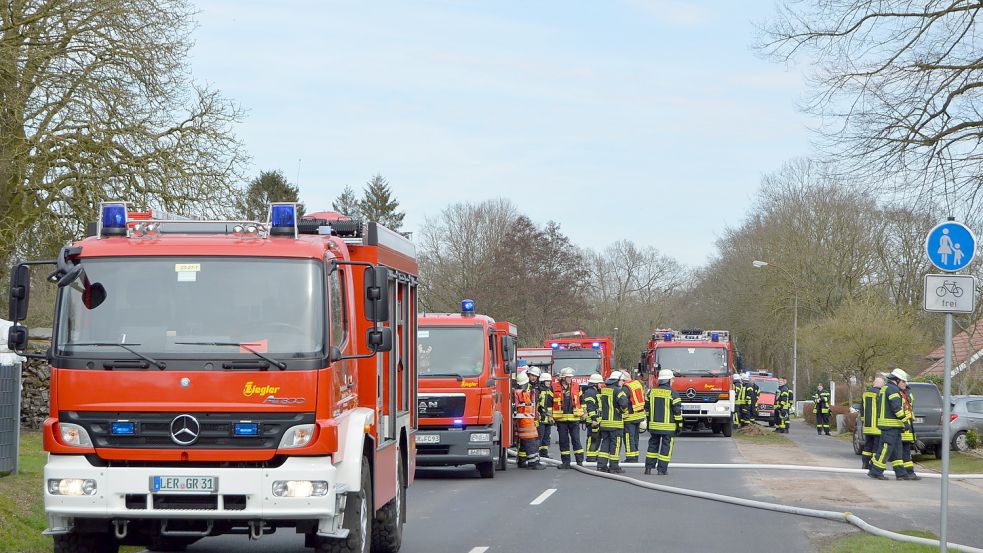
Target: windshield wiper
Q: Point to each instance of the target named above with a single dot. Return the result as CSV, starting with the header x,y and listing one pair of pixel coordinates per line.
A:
x,y
444,375
697,372
278,364
159,364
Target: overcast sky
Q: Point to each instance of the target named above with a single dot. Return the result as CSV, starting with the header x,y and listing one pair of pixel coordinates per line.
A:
x,y
651,120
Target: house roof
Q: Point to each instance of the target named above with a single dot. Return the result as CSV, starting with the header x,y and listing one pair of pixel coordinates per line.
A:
x,y
966,346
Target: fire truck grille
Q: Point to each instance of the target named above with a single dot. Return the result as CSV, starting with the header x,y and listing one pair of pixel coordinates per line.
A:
x,y
692,396
213,430
432,407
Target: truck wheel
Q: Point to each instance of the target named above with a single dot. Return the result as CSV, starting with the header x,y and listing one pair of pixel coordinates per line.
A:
x,y
728,430
716,429
387,527
960,442
359,529
76,542
486,470
503,458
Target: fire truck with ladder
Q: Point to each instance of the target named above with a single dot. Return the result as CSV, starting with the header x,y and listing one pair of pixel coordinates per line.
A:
x,y
584,354
228,377
704,362
465,397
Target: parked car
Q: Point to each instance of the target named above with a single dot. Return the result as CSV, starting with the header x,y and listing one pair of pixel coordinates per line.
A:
x,y
928,420
967,414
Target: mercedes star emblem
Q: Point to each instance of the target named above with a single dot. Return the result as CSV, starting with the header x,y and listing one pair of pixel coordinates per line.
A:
x,y
185,430
691,393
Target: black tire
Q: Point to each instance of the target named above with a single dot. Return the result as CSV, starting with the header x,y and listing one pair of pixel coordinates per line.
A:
x,y
771,423
858,439
716,429
503,458
938,451
85,542
359,528
728,430
960,442
387,527
486,470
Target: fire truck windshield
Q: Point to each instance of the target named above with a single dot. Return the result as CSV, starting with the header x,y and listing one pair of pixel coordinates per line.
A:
x,y
693,361
450,351
767,386
581,366
157,305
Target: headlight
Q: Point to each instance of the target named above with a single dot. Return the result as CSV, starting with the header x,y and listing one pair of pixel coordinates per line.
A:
x,y
71,486
74,435
300,488
297,436
723,408
481,437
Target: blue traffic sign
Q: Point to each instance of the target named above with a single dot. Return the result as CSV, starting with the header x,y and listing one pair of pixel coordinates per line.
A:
x,y
950,246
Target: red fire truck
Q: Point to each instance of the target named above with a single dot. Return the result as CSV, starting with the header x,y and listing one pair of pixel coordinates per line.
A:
x,y
229,377
584,354
703,362
538,357
465,399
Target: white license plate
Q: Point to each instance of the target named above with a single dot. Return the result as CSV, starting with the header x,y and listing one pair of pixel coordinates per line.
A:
x,y
428,438
919,420
184,484
691,407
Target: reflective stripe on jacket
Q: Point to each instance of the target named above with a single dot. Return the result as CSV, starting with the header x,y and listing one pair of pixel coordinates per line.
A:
x,y
566,403
524,408
612,404
870,412
890,407
908,400
636,395
664,408
821,399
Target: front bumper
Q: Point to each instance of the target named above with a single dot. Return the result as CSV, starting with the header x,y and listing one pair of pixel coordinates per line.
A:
x,y
694,411
123,493
455,447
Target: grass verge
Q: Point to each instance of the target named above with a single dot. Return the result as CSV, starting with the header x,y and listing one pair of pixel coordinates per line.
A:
x,y
21,505
965,463
867,543
761,435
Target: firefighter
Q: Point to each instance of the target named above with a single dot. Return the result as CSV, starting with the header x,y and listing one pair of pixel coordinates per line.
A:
x,y
738,399
783,403
612,402
752,395
908,435
891,421
633,418
746,403
665,420
525,424
592,415
567,412
869,418
820,402
545,413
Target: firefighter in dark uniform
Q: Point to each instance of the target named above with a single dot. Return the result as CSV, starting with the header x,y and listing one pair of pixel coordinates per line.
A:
x,y
665,420
567,412
613,403
908,435
869,419
752,395
592,415
738,400
633,418
783,406
891,421
545,408
820,402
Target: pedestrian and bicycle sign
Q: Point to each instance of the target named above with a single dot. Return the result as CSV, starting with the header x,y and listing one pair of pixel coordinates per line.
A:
x,y
950,293
950,246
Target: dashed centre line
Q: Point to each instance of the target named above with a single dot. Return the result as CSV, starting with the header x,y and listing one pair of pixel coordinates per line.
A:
x,y
543,497
478,550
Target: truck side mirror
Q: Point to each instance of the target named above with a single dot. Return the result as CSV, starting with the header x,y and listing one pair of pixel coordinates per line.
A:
x,y
20,293
376,284
17,338
641,369
509,367
379,339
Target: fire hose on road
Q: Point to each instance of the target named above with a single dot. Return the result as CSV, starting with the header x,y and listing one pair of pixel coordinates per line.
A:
x,y
835,516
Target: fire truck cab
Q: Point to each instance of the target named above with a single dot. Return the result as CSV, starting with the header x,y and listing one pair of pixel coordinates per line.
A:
x,y
465,398
584,354
228,377
703,363
538,357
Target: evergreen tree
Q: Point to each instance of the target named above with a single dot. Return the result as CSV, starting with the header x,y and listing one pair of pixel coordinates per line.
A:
x,y
347,203
268,187
378,204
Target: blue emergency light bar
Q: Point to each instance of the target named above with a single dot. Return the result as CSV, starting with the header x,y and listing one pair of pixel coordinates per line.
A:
x,y
715,337
555,345
595,345
123,428
667,336
467,307
112,220
283,219
245,429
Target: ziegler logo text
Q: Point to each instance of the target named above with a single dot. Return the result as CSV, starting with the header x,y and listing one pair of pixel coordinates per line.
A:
x,y
251,389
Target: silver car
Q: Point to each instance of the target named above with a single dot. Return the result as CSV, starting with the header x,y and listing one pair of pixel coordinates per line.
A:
x,y
967,414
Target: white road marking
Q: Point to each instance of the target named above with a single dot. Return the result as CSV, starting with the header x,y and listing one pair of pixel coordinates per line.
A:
x,y
478,550
543,496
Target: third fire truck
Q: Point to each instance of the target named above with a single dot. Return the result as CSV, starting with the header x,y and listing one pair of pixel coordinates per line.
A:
x,y
703,362
584,354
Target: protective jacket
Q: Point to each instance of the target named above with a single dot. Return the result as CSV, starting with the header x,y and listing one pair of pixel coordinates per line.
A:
x,y
613,402
636,395
908,400
870,412
664,409
566,405
592,409
524,414
890,407
821,400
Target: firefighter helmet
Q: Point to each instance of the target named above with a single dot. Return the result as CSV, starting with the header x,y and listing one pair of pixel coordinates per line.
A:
x,y
535,371
666,374
522,378
595,378
545,377
737,377
898,374
566,371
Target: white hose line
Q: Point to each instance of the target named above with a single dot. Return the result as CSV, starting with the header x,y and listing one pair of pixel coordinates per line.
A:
x,y
835,516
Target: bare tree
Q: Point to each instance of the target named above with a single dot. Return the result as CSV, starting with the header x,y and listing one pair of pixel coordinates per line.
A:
x,y
897,83
95,104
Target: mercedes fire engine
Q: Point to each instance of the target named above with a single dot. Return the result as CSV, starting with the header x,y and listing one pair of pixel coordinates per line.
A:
x,y
228,377
584,354
703,362
465,398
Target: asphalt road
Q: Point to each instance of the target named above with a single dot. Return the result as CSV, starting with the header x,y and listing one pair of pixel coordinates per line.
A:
x,y
453,510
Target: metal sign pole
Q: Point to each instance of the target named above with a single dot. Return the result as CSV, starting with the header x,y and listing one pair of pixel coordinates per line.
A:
x,y
946,408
